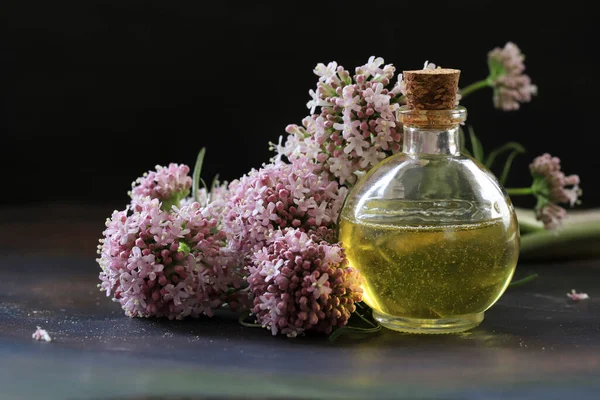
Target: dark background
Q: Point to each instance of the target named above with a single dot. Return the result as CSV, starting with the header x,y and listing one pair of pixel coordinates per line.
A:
x,y
94,93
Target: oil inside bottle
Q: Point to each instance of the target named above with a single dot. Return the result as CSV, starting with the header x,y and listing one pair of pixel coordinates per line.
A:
x,y
430,259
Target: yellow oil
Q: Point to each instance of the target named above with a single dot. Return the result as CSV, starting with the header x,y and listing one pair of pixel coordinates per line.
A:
x,y
432,271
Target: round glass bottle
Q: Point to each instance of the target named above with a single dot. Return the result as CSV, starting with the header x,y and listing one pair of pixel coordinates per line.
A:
x,y
431,230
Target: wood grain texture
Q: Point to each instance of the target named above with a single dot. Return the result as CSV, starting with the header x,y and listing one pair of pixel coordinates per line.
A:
x,y
534,343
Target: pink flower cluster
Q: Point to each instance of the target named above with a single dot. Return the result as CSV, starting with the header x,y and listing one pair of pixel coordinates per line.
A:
x,y
278,196
165,264
212,201
278,219
356,127
300,284
511,85
217,194
167,184
550,187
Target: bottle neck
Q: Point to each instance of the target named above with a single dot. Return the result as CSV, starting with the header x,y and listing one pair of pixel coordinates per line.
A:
x,y
434,132
433,141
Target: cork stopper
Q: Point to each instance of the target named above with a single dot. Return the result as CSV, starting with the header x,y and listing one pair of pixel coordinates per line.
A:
x,y
431,89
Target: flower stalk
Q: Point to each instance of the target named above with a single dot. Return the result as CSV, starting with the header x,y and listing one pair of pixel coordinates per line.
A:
x,y
475,86
519,191
523,281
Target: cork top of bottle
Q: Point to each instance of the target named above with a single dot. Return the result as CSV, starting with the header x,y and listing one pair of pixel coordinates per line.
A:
x,y
431,89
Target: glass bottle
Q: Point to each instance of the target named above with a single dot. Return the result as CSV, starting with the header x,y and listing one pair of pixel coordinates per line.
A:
x,y
431,230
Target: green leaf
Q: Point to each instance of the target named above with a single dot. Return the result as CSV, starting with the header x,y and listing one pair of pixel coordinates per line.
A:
x,y
475,145
203,184
183,248
361,323
507,166
196,175
463,142
214,183
514,146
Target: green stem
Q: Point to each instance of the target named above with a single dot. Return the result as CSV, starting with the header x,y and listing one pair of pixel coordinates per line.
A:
x,y
519,191
475,86
376,326
523,281
527,226
527,221
242,321
562,237
350,330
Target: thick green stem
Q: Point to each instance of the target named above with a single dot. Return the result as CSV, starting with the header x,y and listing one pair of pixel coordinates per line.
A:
x,y
519,191
475,86
526,225
527,221
577,238
573,240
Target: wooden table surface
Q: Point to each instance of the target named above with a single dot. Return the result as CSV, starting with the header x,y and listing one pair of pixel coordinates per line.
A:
x,y
534,343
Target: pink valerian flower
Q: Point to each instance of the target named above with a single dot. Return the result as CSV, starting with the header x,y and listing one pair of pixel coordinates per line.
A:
x,y
356,126
212,201
302,284
550,186
165,264
547,169
41,334
167,184
511,85
278,196
577,296
551,215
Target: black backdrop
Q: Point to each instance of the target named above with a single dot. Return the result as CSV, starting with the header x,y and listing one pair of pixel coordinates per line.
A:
x,y
94,93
